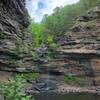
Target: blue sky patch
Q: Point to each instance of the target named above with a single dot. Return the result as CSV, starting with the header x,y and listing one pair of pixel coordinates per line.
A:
x,y
38,8
41,5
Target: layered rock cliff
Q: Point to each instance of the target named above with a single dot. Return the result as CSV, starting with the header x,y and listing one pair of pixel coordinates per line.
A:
x,y
15,42
83,42
79,52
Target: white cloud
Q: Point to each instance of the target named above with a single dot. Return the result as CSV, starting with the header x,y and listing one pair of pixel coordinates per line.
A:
x,y
37,8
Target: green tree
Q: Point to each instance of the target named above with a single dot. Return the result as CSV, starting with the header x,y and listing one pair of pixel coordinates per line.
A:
x,y
37,31
87,4
62,19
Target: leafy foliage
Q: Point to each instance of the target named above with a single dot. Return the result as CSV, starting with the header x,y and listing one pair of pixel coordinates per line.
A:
x,y
57,24
14,90
37,33
31,76
40,38
88,4
63,18
3,35
74,80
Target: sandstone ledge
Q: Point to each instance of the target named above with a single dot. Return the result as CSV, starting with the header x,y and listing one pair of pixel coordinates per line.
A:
x,y
80,51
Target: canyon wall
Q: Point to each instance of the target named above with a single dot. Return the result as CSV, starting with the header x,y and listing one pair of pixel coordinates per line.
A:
x,y
15,41
79,52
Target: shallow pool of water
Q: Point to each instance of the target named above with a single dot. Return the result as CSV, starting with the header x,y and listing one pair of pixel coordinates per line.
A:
x,y
53,96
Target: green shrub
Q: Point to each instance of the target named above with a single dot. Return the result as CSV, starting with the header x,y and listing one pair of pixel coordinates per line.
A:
x,y
31,76
73,80
40,37
36,30
14,90
3,35
69,78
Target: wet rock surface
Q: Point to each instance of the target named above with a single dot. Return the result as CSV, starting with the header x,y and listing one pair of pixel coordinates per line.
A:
x,y
52,84
42,85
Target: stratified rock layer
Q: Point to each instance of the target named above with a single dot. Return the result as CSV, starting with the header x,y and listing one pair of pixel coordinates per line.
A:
x,y
84,41
79,52
15,42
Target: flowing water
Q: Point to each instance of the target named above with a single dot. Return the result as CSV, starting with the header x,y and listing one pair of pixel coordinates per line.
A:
x,y
53,96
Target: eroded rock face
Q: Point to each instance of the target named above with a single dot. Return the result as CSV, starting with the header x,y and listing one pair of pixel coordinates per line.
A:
x,y
43,85
79,54
15,42
83,42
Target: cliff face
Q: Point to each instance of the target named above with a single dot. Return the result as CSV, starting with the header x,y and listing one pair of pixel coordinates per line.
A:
x,y
84,41
79,52
15,42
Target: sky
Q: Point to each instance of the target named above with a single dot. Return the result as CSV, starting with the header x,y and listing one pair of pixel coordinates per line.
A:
x,y
38,8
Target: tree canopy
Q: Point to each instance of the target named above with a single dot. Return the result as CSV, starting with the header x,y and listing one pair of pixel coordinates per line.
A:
x,y
60,21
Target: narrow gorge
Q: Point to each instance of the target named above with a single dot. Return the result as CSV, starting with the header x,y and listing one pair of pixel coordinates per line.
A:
x,y
78,54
